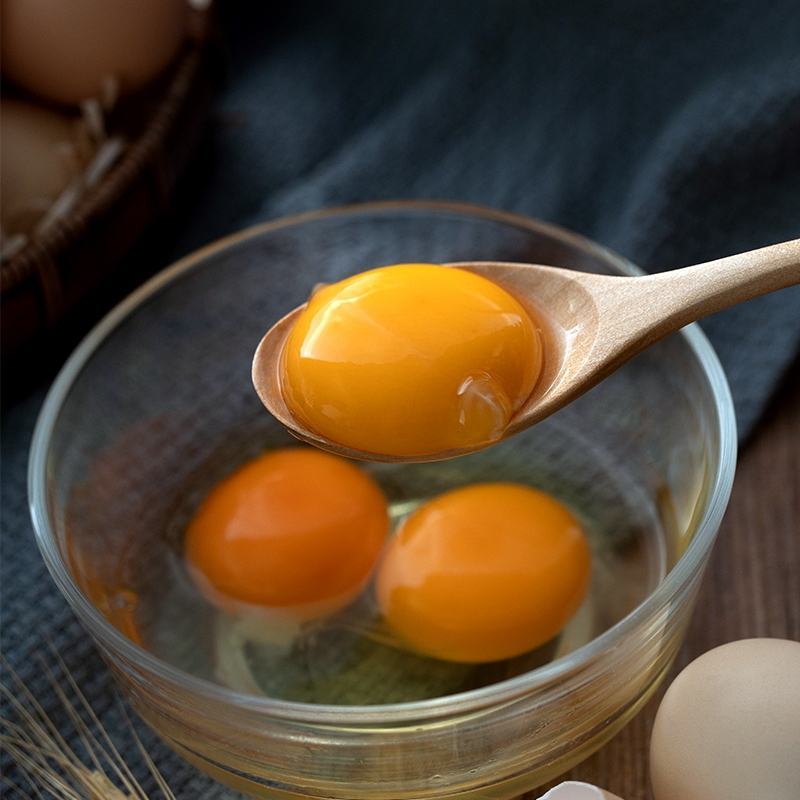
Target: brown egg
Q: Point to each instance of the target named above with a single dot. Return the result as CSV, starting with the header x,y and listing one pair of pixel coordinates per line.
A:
x,y
574,790
67,50
42,151
728,728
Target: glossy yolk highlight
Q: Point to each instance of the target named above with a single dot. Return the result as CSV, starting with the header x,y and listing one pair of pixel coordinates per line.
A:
x,y
484,573
296,531
411,359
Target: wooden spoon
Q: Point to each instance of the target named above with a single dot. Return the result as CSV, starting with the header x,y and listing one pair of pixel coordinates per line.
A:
x,y
593,324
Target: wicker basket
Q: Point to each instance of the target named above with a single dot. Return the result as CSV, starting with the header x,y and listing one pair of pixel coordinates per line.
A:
x,y
60,267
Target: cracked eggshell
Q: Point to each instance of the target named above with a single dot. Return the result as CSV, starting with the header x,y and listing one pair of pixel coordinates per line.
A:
x,y
728,727
574,790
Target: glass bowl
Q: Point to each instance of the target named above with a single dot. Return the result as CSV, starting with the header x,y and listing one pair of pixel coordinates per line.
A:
x,y
162,387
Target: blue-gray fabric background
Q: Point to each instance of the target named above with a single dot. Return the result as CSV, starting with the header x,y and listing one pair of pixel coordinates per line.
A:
x,y
667,131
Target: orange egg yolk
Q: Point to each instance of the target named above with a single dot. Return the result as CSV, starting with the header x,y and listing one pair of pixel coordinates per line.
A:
x,y
484,573
295,530
411,359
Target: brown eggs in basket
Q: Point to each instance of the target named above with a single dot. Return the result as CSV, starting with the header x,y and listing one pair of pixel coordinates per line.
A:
x,y
136,78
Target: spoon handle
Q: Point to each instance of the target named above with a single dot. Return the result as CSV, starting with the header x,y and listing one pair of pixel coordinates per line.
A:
x,y
715,285
652,306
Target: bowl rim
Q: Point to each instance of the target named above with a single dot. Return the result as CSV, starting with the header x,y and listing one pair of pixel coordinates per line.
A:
x,y
143,663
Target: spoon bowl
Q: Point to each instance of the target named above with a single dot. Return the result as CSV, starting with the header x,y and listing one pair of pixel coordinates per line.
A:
x,y
590,324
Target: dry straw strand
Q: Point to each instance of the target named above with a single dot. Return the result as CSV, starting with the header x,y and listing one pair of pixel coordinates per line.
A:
x,y
46,761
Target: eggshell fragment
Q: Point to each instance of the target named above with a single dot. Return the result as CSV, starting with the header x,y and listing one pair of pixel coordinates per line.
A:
x,y
575,790
728,728
71,51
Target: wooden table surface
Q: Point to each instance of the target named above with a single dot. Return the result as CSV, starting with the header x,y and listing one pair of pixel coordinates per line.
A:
x,y
751,588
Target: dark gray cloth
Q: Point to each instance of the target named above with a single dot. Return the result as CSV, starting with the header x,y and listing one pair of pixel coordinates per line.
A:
x,y
667,131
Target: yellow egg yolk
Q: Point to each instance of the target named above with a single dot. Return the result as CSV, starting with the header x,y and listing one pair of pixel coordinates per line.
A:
x,y
484,573
296,531
410,360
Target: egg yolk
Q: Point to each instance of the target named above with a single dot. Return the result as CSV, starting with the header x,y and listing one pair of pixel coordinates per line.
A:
x,y
484,573
411,359
294,530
